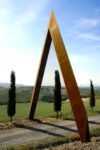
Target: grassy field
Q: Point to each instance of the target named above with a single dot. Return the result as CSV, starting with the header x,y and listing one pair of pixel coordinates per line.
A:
x,y
22,110
45,109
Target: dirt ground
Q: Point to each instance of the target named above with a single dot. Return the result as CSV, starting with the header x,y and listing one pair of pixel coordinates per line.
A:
x,y
93,145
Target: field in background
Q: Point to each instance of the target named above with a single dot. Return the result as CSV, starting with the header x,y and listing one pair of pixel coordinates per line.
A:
x,y
45,105
24,93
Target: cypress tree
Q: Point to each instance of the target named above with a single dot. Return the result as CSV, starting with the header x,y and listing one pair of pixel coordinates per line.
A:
x,y
11,110
57,93
92,95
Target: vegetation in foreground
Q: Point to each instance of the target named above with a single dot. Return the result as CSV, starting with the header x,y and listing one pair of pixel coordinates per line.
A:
x,y
49,143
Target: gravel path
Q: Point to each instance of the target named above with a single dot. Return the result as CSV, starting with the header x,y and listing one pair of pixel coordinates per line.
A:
x,y
25,134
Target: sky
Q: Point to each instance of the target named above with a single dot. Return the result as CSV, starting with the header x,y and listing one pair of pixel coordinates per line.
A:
x,y
23,26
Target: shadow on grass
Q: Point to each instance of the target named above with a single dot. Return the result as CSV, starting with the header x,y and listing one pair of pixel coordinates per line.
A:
x,y
60,127
94,122
37,130
70,119
98,111
45,131
91,122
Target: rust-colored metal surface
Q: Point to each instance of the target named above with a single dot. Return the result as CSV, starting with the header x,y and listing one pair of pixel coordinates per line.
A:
x,y
68,76
40,73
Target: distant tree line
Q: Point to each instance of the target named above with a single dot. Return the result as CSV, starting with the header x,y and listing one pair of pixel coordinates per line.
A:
x,y
49,98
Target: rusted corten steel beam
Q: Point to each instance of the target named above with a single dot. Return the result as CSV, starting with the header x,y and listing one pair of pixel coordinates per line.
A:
x,y
53,34
40,73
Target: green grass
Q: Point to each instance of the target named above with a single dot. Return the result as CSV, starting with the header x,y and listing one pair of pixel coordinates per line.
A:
x,y
45,109
96,109
22,110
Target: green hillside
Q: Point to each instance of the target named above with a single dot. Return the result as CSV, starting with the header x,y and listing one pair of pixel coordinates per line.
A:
x,y
24,94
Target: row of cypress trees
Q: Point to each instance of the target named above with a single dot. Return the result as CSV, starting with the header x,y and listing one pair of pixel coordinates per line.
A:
x,y
57,94
11,107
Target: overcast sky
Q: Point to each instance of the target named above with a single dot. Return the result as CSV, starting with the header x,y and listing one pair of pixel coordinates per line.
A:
x,y
23,25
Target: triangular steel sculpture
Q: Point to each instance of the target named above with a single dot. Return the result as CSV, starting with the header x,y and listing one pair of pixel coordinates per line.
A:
x,y
53,34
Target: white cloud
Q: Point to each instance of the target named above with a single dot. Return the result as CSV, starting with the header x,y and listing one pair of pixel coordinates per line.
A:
x,y
84,35
85,28
13,20
87,22
94,46
88,36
